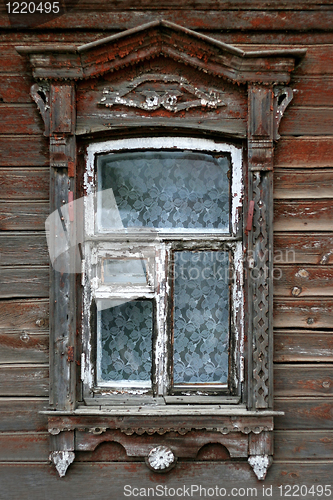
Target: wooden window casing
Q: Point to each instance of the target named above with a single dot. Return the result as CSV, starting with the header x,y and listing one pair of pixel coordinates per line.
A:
x,y
167,79
157,247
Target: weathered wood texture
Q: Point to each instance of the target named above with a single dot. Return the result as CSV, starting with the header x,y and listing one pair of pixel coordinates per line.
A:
x,y
24,380
23,215
300,445
303,380
40,481
293,183
24,314
22,414
303,346
197,19
307,313
303,215
24,282
23,249
303,281
304,413
23,151
303,248
34,447
303,241
23,347
24,184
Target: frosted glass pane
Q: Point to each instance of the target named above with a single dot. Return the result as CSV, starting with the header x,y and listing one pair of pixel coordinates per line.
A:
x,y
125,341
163,189
201,317
118,271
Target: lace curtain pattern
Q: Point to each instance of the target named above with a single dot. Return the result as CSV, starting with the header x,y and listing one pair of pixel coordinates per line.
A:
x,y
201,317
126,341
164,190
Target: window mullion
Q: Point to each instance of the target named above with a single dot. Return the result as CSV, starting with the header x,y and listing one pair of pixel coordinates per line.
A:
x,y
162,341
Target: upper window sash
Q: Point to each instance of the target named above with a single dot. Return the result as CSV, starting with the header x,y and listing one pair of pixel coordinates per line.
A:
x,y
92,225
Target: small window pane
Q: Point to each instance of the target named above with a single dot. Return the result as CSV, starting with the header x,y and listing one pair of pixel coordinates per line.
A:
x,y
125,343
120,272
163,189
201,317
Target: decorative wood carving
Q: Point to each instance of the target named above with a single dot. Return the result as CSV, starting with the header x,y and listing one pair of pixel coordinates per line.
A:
x,y
283,96
161,459
62,460
163,93
260,465
40,92
170,97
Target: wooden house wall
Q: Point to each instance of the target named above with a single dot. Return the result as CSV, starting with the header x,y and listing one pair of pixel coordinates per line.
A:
x,y
303,306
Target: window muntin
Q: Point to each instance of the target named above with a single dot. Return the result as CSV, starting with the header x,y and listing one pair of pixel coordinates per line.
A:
x,y
133,266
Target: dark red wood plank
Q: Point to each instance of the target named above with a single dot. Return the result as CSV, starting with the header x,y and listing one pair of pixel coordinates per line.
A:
x,y
24,314
23,414
303,281
292,380
23,347
303,183
24,249
307,215
307,152
15,89
303,313
304,413
20,119
23,215
24,184
23,151
303,346
196,19
303,248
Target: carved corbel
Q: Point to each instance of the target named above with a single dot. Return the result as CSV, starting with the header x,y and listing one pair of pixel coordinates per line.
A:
x,y
282,97
62,444
62,460
260,464
40,93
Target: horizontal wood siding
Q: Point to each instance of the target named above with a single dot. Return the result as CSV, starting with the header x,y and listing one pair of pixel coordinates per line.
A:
x,y
303,252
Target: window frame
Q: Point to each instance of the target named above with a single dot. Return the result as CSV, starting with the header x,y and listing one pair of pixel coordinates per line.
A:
x,y
256,82
99,245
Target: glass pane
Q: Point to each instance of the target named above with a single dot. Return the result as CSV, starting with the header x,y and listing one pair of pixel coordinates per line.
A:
x,y
163,189
132,271
201,317
125,342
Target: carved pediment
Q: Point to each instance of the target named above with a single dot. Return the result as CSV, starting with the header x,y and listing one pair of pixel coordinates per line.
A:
x,y
161,38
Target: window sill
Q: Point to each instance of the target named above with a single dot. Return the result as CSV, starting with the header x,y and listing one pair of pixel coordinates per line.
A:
x,y
216,410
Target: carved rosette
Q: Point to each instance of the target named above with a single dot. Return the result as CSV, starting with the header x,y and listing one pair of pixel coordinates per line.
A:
x,y
161,459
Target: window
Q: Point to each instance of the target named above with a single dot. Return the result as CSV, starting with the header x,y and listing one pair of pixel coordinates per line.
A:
x,y
162,278
163,259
